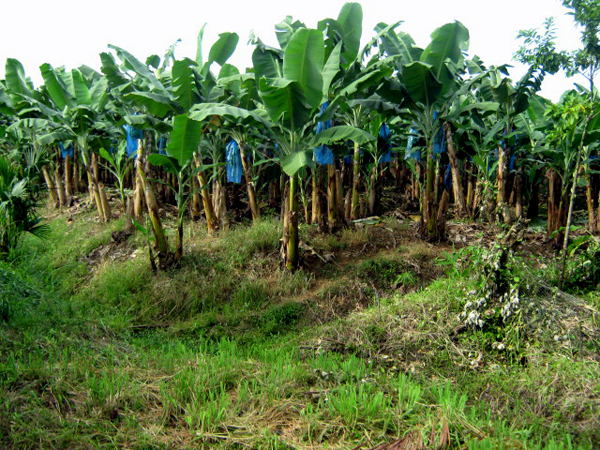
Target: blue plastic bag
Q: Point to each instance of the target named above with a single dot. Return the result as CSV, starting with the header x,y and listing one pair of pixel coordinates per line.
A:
x,y
323,154
133,134
410,153
384,142
233,159
66,151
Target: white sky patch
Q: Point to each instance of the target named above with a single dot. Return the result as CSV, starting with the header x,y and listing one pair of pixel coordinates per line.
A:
x,y
72,33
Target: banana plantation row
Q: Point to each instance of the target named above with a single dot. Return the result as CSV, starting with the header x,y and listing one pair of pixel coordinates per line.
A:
x,y
318,122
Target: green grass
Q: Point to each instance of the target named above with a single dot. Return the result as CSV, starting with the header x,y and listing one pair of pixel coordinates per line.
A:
x,y
224,353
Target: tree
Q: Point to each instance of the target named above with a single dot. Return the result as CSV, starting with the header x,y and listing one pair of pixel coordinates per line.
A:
x,y
539,49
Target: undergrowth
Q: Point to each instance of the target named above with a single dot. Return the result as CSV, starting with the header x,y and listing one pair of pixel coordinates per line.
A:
x,y
224,352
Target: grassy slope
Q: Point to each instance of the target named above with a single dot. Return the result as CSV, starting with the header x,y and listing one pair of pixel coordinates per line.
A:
x,y
230,352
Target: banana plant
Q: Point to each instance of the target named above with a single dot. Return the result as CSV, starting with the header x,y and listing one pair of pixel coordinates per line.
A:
x,y
570,137
17,208
356,83
512,100
86,119
159,96
29,110
432,80
291,90
178,161
119,165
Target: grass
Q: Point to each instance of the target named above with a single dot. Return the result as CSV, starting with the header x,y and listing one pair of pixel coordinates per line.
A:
x,y
224,352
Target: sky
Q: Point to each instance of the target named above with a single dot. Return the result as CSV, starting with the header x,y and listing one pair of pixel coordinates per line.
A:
x,y
71,33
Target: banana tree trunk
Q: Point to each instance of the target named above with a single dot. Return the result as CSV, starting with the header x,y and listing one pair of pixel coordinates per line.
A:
x,y
332,210
348,205
470,194
355,205
315,195
249,183
51,187
196,206
138,198
76,174
161,246
519,196
339,197
292,240
68,178
374,193
459,196
557,207
477,198
209,213
179,243
593,204
60,188
94,191
128,214
95,167
503,210
598,214
106,211
441,213
416,181
429,218
219,198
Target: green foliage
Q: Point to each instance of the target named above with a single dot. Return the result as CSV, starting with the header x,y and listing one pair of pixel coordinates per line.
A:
x,y
386,273
250,295
539,50
583,265
16,293
462,262
17,208
281,318
241,244
119,165
106,365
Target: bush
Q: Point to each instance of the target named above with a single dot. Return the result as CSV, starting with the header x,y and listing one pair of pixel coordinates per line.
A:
x,y
17,208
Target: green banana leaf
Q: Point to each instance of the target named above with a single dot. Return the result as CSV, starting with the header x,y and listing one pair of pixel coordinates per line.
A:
x,y
285,102
185,138
141,69
16,81
420,83
350,20
183,83
158,104
223,48
82,92
293,162
169,163
267,62
343,133
303,62
233,113
56,88
398,44
330,70
447,43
